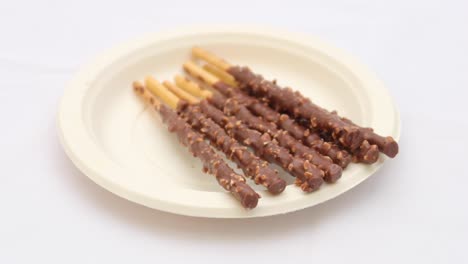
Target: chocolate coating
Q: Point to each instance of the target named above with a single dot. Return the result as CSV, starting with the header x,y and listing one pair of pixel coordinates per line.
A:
x,y
285,99
295,104
271,119
212,162
252,166
386,145
308,176
284,139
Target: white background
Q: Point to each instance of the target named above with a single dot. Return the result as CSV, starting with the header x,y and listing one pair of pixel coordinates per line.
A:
x,y
413,210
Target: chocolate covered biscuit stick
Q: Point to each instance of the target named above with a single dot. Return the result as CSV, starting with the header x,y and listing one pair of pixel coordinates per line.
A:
x,y
232,107
308,176
252,166
311,139
212,162
286,100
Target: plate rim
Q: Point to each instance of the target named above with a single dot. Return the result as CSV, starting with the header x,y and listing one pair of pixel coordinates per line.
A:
x,y
78,84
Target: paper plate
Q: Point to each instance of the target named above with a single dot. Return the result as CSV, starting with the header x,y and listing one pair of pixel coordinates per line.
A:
x,y
118,143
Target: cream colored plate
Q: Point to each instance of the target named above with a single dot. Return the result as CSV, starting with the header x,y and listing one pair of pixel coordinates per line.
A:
x,y
115,141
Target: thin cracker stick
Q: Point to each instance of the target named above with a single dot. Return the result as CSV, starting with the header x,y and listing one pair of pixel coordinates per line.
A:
x,y
181,93
199,73
147,97
222,75
159,90
202,54
191,87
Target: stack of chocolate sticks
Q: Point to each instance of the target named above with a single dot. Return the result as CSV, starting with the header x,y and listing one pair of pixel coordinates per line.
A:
x,y
283,127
